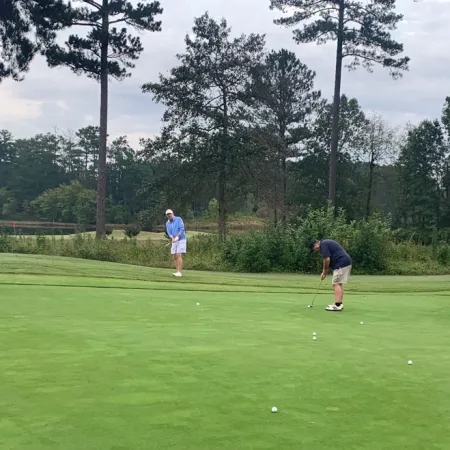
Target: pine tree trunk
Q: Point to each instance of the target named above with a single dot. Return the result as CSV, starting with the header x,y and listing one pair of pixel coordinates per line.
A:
x,y
336,108
284,188
369,193
224,149
221,199
101,180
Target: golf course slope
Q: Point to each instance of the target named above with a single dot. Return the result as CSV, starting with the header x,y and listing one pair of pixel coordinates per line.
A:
x,y
98,355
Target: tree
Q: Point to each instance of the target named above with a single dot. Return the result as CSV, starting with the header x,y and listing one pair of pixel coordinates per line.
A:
x,y
8,155
26,28
362,33
69,203
89,144
421,166
446,180
282,100
379,147
105,52
37,167
313,182
203,96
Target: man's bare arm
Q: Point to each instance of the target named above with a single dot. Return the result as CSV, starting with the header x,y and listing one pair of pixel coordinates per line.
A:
x,y
326,265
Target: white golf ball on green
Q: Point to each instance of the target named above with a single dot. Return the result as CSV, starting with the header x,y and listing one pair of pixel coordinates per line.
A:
x,y
274,409
409,362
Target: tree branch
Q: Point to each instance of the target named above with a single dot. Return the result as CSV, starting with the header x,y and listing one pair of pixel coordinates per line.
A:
x,y
357,55
86,24
92,3
122,19
317,11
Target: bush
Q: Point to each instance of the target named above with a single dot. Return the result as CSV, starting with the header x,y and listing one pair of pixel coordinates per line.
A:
x,y
443,254
248,253
132,232
283,248
369,246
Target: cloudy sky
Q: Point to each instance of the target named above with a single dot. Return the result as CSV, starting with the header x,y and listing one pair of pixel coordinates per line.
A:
x,y
52,99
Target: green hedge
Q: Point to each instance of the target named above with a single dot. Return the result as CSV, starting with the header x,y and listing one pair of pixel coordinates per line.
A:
x,y
372,244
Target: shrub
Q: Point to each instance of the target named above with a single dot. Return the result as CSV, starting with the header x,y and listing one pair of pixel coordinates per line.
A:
x,y
369,246
443,254
132,232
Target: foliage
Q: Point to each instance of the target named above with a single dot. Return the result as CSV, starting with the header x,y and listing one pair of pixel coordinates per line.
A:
x,y
279,248
203,99
284,248
67,203
132,232
26,28
281,103
421,166
362,32
105,51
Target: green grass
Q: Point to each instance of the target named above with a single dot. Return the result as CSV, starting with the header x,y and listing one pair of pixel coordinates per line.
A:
x,y
105,356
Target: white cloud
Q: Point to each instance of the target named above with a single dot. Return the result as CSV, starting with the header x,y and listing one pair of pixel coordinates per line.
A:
x,y
51,98
16,108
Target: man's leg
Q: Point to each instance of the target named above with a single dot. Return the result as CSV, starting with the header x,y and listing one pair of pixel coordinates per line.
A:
x,y
338,293
179,263
175,260
340,276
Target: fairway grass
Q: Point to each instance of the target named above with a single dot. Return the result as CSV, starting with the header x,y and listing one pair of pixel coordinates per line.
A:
x,y
106,356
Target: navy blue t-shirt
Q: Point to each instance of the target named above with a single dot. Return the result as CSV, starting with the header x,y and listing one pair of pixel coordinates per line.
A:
x,y
338,256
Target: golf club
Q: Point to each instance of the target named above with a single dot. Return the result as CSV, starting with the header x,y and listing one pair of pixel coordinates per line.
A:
x,y
312,304
165,245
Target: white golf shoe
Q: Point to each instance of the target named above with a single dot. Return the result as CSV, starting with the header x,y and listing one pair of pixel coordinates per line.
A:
x,y
177,274
335,308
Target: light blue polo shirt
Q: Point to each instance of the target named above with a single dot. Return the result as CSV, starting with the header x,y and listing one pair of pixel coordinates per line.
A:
x,y
175,227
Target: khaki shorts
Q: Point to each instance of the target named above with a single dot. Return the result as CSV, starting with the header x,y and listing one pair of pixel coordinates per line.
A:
x,y
340,276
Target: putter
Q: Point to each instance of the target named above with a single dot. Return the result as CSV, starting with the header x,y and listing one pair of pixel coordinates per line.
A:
x,y
312,304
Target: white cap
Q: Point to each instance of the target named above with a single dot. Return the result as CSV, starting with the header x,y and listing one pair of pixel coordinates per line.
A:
x,y
169,211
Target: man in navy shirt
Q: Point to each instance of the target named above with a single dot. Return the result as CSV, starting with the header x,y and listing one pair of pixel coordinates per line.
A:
x,y
340,261
175,231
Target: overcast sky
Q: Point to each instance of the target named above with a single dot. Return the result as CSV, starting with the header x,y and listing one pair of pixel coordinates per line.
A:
x,y
52,99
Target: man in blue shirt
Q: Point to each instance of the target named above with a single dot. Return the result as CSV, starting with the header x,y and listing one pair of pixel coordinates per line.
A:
x,y
175,231
340,261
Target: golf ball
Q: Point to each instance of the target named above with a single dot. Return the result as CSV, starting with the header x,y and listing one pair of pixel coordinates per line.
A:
x,y
314,333
198,304
274,409
362,323
314,338
409,362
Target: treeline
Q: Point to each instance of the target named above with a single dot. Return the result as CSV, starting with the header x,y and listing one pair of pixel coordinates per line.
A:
x,y
401,173
245,128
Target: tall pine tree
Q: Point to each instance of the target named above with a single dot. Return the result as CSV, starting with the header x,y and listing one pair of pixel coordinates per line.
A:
x,y
362,31
105,51
282,103
203,96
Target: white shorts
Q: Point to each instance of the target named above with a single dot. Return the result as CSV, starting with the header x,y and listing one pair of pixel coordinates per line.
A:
x,y
178,247
340,276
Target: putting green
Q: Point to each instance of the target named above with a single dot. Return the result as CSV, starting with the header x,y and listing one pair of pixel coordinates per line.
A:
x,y
105,356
